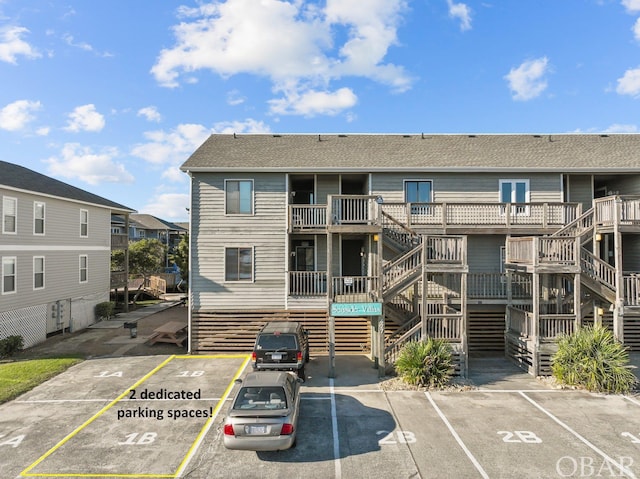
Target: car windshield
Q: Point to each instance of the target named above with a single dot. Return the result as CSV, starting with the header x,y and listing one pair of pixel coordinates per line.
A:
x,y
276,341
261,398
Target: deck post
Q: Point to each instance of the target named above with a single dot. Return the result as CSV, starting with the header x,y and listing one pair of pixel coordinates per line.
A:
x,y
535,324
577,305
618,311
332,347
381,341
332,323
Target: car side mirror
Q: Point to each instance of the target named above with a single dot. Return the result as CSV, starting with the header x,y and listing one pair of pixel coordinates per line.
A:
x,y
306,332
238,381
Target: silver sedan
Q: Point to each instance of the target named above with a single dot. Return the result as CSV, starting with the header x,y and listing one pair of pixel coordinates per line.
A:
x,y
264,413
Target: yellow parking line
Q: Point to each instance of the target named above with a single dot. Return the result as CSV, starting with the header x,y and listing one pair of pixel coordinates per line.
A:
x,y
192,448
207,425
89,421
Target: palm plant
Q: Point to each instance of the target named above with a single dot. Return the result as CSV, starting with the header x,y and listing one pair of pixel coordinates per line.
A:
x,y
593,359
425,363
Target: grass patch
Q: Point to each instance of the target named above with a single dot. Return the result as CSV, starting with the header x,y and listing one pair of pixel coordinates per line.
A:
x,y
18,377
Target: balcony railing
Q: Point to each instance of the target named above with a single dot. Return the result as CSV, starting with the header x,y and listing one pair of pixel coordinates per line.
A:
x,y
363,209
307,283
445,326
631,289
118,279
450,215
355,289
119,241
548,250
624,209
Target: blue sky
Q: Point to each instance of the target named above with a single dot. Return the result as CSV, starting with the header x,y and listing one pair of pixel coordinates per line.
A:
x,y
112,96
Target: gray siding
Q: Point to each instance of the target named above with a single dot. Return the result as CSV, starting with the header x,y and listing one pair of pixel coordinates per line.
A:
x,y
625,185
458,187
326,185
483,253
580,190
213,231
61,246
631,253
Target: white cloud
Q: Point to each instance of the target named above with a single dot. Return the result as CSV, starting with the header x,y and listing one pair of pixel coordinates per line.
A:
x,y
151,113
631,5
15,116
12,45
311,103
294,44
171,147
175,146
636,29
462,12
629,84
43,131
85,118
247,126
168,206
527,81
69,40
620,128
234,98
77,161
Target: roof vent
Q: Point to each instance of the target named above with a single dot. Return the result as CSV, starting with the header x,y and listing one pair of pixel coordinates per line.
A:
x,y
406,136
277,136
472,136
342,136
537,136
604,136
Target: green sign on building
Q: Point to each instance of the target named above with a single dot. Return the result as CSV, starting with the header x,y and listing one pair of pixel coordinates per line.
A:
x,y
355,309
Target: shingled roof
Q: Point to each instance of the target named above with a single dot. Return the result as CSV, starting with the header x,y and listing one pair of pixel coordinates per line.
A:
x,y
587,153
151,222
21,178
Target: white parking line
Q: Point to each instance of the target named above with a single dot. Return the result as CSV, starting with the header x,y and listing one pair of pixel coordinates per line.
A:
x,y
334,428
633,400
620,466
456,437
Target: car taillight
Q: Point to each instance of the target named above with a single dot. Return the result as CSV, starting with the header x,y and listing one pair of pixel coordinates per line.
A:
x,y
228,430
299,356
287,429
254,356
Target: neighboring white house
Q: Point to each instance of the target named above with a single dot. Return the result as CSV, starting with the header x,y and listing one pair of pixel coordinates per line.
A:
x,y
55,251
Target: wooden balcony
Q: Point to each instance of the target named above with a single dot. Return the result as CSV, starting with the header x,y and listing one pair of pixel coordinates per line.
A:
x,y
307,283
445,253
119,242
360,213
118,279
621,211
483,218
544,254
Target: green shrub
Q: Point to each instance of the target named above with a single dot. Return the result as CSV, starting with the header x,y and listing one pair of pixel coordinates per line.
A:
x,y
592,358
425,363
105,310
10,346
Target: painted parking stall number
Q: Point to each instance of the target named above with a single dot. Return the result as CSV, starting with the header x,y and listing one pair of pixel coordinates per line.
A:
x,y
634,439
13,441
109,374
137,439
190,374
396,437
520,437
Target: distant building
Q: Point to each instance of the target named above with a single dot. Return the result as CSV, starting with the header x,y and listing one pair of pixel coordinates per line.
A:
x,y
55,248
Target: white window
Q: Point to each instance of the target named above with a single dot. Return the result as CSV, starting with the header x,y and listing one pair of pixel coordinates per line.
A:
x,y
8,275
515,191
238,264
38,272
38,217
9,215
84,223
142,233
238,197
419,193
84,268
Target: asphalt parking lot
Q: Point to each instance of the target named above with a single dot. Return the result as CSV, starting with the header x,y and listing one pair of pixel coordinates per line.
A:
x,y
88,423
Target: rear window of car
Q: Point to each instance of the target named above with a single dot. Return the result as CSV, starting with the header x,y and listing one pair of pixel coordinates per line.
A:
x,y
276,341
263,398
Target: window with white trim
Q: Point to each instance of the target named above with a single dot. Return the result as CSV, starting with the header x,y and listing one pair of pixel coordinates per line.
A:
x,y
515,191
9,275
238,197
238,264
84,223
84,268
38,272
418,193
9,215
38,217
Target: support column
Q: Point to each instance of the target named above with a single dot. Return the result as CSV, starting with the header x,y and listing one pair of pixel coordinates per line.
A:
x,y
332,321
618,312
535,326
381,342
